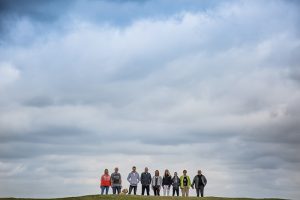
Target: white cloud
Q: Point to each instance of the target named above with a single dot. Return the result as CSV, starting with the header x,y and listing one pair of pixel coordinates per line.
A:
x,y
8,74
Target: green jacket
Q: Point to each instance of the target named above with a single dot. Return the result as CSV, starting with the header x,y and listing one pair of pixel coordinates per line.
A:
x,y
181,181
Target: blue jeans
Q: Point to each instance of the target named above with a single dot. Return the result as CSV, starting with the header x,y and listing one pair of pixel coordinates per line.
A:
x,y
104,188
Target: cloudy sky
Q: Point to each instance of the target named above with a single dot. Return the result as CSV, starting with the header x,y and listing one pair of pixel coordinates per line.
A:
x,y
185,84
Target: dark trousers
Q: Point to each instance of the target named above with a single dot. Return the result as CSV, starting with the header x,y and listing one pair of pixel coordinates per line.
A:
x,y
175,190
116,189
156,190
200,190
134,189
147,187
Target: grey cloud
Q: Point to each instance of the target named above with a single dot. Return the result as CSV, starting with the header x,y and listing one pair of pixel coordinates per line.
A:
x,y
175,137
40,101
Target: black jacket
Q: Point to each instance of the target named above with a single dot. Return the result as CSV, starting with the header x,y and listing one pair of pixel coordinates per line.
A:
x,y
145,178
167,180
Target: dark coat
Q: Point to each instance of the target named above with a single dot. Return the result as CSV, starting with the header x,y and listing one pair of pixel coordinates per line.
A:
x,y
196,181
176,182
145,178
167,180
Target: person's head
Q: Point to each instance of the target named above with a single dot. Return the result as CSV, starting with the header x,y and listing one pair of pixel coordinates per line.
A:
x,y
199,172
184,172
156,173
116,169
146,169
134,168
106,171
167,173
175,173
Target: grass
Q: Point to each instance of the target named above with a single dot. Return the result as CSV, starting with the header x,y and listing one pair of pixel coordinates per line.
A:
x,y
131,197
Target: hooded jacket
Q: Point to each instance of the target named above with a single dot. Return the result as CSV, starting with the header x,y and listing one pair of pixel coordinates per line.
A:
x,y
105,180
133,178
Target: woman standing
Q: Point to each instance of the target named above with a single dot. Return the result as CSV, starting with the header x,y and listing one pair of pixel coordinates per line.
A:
x,y
175,184
105,182
185,184
167,182
156,183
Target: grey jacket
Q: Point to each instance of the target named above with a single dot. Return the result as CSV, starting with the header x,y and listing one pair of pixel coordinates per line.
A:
x,y
133,178
176,182
196,181
116,179
145,178
159,181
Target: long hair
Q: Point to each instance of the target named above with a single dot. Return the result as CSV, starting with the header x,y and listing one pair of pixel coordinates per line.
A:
x,y
167,173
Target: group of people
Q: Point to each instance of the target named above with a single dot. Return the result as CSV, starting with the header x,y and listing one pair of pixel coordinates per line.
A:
x,y
156,182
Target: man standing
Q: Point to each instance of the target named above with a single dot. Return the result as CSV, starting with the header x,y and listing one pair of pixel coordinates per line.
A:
x,y
133,179
116,181
146,181
199,182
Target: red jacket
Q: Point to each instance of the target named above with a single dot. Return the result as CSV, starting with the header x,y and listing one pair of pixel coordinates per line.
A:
x,y
105,180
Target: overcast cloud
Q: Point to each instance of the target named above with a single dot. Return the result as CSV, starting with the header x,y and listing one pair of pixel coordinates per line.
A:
x,y
89,85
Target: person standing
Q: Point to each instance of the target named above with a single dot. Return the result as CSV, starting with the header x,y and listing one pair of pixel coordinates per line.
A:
x,y
167,182
156,183
185,184
116,181
133,179
146,181
199,182
175,184
105,182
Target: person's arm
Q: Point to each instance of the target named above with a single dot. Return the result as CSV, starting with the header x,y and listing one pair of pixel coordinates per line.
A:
x,y
179,182
111,178
150,180
101,180
129,177
205,180
189,181
138,178
170,181
194,182
161,181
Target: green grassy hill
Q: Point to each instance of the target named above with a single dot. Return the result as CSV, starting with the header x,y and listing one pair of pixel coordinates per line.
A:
x,y
127,197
